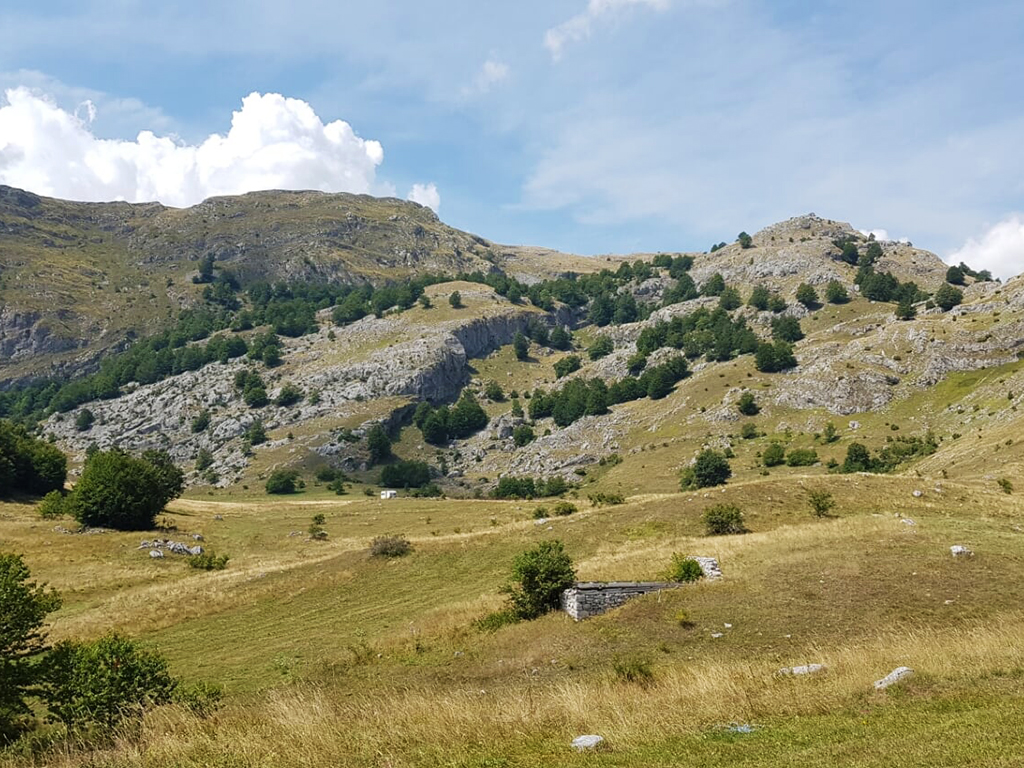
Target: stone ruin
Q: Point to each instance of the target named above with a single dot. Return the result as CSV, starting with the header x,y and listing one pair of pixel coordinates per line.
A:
x,y
592,598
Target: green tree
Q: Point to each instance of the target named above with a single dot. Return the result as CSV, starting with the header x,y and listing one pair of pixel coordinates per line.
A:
x,y
948,297
24,606
539,576
494,392
201,422
567,365
759,298
747,405
714,285
101,683
521,345
906,310
787,329
455,299
955,276
774,455
710,468
858,459
723,520
806,295
27,464
835,293
745,240
282,481
405,474
821,501
602,346
84,420
289,395
560,338
522,435
378,442
729,299
602,310
122,492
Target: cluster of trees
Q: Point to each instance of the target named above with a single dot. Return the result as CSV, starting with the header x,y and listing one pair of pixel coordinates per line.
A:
x,y
29,465
509,487
87,687
896,451
592,397
713,333
118,490
444,423
405,474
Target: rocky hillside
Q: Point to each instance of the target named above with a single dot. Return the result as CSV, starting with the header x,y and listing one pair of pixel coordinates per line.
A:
x,y
76,279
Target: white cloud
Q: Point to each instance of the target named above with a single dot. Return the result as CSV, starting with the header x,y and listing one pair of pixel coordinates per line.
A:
x,y
491,73
426,194
273,143
579,26
1000,250
880,234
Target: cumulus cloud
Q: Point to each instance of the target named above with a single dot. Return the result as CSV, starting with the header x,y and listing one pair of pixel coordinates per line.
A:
x,y
880,234
999,250
579,26
426,194
273,143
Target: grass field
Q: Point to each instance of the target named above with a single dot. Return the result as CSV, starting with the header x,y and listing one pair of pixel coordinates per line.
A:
x,y
331,657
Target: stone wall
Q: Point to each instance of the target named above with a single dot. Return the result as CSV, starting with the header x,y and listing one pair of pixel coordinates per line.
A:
x,y
592,598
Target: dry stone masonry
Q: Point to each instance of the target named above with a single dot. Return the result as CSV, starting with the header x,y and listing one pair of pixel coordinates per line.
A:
x,y
592,598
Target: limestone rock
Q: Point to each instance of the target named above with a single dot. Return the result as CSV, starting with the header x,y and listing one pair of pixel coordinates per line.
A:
x,y
803,669
959,550
900,673
587,742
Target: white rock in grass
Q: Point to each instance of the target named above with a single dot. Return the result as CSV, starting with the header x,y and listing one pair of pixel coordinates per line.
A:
x,y
803,669
590,741
959,550
155,553
900,673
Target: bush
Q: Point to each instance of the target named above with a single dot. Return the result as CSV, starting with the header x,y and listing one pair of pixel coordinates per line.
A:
x,y
835,293
539,575
405,474
747,405
255,433
85,420
522,435
821,501
521,345
282,481
208,561
774,455
723,519
289,395
201,698
101,683
29,465
316,529
802,457
23,609
786,328
494,392
567,365
379,444
684,569
807,296
948,297
455,299
52,505
749,431
390,546
709,469
1005,484
123,492
635,670
602,346
601,499
564,508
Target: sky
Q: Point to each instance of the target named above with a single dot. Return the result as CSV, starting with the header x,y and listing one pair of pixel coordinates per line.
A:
x,y
590,126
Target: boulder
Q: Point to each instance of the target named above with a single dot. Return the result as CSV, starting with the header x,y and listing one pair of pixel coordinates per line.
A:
x,y
959,550
589,741
155,553
803,669
900,673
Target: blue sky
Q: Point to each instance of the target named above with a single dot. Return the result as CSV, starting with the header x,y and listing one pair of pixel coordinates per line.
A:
x,y
592,126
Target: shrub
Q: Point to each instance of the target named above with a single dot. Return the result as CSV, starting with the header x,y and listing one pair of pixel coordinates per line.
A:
x,y
255,433
101,683
539,575
948,297
522,435
326,474
835,293
684,569
455,299
759,298
23,610
821,501
521,345
723,519
27,464
289,395
84,420
709,469
747,405
208,561
749,431
802,457
204,459
1005,484
201,698
745,240
405,474
564,508
494,392
774,455
560,338
567,365
316,529
123,492
601,499
729,299
282,481
634,669
786,328
390,546
602,346
379,444
806,295
52,505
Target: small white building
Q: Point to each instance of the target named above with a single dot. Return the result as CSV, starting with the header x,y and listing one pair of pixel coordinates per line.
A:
x,y
388,494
